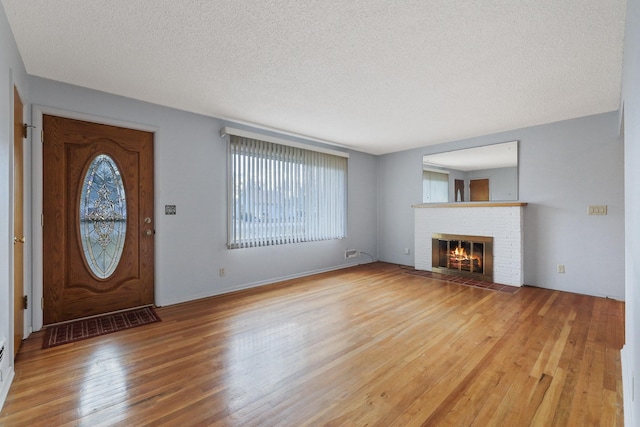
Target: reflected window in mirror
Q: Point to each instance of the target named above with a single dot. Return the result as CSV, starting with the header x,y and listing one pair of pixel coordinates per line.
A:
x,y
495,165
435,186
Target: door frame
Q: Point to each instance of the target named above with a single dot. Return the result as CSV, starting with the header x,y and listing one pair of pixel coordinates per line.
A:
x,y
21,140
37,314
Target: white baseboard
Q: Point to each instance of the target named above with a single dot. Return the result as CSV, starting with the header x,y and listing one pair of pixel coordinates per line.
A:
x,y
244,286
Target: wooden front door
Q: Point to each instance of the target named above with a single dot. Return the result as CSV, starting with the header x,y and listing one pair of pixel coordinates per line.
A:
x,y
479,190
18,222
98,233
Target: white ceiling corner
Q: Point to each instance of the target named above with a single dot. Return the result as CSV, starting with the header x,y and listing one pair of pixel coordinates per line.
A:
x,y
373,75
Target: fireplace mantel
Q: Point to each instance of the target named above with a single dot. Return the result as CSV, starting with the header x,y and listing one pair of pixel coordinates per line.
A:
x,y
469,205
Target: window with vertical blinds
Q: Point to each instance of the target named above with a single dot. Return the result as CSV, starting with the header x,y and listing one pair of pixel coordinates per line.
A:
x,y
280,194
435,186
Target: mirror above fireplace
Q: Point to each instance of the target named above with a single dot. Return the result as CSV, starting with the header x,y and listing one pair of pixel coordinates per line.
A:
x,y
486,173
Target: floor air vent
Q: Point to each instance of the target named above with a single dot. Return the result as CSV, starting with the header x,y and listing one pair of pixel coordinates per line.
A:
x,y
351,253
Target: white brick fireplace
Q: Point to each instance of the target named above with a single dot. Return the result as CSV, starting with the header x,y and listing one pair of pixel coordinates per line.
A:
x,y
502,221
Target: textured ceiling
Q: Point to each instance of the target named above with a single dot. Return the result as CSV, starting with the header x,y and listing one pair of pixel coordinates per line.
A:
x,y
373,75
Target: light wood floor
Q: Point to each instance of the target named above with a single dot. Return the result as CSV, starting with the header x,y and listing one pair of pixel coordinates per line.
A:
x,y
368,345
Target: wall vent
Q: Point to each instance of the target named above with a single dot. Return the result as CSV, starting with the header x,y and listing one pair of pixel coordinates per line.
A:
x,y
351,253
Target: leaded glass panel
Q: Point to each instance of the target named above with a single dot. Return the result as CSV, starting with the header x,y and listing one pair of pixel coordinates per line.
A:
x,y
103,216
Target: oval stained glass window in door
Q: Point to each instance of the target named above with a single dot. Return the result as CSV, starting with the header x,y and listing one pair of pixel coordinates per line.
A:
x,y
103,216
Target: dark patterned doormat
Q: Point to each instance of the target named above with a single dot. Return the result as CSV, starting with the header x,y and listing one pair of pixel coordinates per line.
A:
x,y
77,330
465,281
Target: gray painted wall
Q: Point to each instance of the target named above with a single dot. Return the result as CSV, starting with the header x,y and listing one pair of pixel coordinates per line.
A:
x,y
503,182
631,111
564,167
190,172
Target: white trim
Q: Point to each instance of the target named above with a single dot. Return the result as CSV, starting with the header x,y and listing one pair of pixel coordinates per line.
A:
x,y
259,127
39,110
37,315
252,135
436,170
627,386
621,121
8,361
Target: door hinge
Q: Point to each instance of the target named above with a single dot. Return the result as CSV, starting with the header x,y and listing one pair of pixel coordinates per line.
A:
x,y
42,303
42,137
25,301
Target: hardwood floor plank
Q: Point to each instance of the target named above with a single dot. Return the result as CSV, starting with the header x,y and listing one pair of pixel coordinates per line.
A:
x,y
368,345
550,402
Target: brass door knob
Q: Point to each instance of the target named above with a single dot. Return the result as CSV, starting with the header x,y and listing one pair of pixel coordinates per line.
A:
x,y
148,232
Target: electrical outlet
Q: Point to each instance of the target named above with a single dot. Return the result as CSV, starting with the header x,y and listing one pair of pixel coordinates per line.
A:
x,y
560,268
222,272
407,251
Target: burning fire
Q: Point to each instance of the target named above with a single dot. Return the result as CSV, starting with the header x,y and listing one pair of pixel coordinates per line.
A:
x,y
460,255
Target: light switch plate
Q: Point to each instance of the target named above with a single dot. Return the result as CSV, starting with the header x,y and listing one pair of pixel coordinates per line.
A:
x,y
597,210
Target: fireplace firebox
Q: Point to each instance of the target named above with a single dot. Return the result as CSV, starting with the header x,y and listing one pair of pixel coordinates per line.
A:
x,y
469,256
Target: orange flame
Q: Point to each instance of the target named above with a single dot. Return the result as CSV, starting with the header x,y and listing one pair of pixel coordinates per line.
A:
x,y
459,254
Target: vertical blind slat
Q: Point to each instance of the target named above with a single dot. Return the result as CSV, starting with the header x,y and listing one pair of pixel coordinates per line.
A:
x,y
280,194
